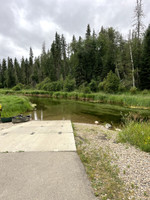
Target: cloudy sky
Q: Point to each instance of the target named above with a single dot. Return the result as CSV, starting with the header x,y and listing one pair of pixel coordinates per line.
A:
x,y
25,23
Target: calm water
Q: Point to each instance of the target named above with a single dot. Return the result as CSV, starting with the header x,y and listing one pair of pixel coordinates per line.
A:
x,y
77,111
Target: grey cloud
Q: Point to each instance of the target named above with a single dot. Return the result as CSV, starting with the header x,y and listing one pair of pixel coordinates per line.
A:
x,y
70,16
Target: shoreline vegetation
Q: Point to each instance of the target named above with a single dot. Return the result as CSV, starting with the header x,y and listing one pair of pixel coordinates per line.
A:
x,y
13,105
134,101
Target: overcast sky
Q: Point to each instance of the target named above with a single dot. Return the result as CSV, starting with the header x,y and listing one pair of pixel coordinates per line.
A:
x,y
25,23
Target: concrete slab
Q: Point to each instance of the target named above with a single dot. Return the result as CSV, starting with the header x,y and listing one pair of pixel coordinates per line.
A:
x,y
43,176
38,136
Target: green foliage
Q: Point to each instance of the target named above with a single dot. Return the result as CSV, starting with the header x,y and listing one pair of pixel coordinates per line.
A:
x,y
14,105
69,84
84,88
47,85
133,90
145,92
145,66
93,86
111,84
137,134
122,88
19,86
101,86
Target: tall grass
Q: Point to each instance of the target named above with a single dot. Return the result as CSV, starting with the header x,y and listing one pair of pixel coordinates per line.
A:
x,y
14,105
139,100
137,134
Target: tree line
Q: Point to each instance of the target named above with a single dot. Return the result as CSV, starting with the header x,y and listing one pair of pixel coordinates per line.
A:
x,y
85,61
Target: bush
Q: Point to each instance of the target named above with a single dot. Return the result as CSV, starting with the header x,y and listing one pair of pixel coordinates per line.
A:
x,y
133,90
47,85
122,88
84,88
69,84
137,134
111,84
101,86
145,91
93,86
18,87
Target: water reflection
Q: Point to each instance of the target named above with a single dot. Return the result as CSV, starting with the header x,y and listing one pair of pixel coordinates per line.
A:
x,y
84,112
35,113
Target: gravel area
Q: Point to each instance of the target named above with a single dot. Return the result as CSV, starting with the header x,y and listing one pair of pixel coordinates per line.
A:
x,y
134,165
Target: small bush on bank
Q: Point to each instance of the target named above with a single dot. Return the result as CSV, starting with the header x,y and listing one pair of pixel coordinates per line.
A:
x,y
84,88
137,134
133,90
145,92
69,84
111,84
101,86
18,87
47,85
93,86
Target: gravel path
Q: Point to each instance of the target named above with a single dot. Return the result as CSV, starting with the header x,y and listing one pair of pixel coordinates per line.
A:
x,y
134,165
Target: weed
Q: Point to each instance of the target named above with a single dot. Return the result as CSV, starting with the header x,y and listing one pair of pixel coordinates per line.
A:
x,y
137,134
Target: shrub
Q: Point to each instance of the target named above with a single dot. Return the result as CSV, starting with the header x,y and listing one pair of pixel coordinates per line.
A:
x,y
111,84
145,91
18,87
137,134
69,84
122,88
133,90
84,88
101,86
93,86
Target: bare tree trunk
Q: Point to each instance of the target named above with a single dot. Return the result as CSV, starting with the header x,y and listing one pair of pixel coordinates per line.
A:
x,y
117,71
132,64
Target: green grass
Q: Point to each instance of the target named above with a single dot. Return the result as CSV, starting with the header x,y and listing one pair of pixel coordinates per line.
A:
x,y
14,105
138,100
137,134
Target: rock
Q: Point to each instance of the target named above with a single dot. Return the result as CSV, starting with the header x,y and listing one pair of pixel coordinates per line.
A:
x,y
118,129
96,122
108,126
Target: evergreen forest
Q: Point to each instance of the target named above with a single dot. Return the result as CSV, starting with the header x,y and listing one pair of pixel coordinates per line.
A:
x,y
99,61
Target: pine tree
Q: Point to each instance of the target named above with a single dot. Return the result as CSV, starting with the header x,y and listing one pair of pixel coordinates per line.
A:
x,y
88,32
17,71
10,79
145,69
3,73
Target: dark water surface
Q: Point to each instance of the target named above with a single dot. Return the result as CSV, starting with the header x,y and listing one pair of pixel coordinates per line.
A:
x,y
78,111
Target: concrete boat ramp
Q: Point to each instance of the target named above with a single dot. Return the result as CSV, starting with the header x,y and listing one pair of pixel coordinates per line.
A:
x,y
38,136
38,161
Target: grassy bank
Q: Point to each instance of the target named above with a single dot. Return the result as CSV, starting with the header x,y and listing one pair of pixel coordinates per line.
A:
x,y
137,134
126,99
14,105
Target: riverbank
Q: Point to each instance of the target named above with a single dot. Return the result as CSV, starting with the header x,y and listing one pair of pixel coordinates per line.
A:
x,y
116,171
139,100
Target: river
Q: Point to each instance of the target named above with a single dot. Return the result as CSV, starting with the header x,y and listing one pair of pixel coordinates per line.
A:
x,y
78,111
